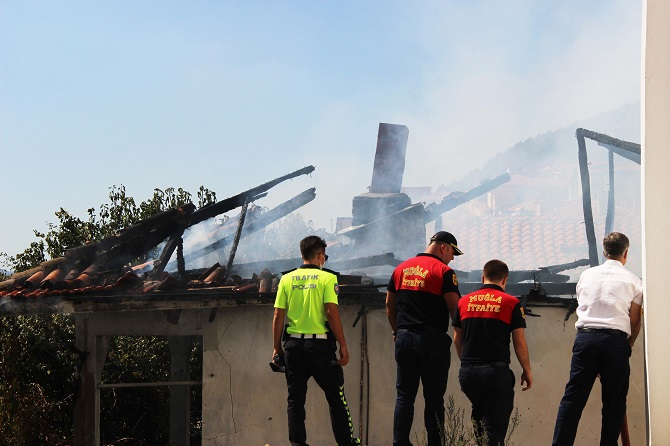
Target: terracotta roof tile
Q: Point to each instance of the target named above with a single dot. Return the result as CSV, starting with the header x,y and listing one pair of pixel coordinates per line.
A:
x,y
527,243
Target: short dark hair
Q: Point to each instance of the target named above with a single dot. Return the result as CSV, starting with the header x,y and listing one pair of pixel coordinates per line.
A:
x,y
311,245
615,244
495,270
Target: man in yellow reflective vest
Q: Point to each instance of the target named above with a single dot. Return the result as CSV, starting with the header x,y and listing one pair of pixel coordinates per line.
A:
x,y
308,296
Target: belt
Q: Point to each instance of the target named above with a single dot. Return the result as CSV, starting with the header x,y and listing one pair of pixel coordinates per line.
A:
x,y
610,331
485,365
309,336
423,329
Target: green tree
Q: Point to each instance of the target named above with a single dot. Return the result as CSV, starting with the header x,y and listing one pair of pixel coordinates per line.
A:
x,y
112,217
37,380
38,361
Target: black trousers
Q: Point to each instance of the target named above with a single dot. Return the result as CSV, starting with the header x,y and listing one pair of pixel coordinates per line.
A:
x,y
421,356
604,352
491,391
316,358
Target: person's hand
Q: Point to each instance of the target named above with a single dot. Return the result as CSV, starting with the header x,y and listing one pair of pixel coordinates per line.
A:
x,y
344,356
279,352
527,379
278,364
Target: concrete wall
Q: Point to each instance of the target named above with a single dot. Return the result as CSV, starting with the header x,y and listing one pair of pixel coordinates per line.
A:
x,y
656,212
244,403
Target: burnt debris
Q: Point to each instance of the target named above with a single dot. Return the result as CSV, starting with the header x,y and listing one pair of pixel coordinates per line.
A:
x,y
386,227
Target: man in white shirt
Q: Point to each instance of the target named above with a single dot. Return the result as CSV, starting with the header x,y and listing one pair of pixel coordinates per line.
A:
x,y
609,316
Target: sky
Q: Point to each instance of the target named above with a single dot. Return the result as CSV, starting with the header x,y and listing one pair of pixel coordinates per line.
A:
x,y
232,94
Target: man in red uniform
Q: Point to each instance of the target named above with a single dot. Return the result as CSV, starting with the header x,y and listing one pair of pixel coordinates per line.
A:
x,y
482,324
421,295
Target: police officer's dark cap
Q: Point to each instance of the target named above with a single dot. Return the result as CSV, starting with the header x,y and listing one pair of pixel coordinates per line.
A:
x,y
447,237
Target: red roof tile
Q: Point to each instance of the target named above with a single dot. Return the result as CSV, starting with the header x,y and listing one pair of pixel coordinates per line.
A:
x,y
527,243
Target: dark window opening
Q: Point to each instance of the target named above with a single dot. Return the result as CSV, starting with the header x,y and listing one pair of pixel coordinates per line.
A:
x,y
146,382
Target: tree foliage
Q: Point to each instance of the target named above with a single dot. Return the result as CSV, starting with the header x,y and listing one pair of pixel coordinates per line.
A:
x,y
112,217
39,363
38,370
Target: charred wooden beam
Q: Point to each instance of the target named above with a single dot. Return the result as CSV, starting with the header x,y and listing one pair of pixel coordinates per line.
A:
x,y
238,234
626,149
435,210
387,259
542,275
181,265
134,241
538,275
545,274
124,253
233,250
112,253
238,200
256,223
167,252
567,266
609,217
586,197
521,289
281,265
169,218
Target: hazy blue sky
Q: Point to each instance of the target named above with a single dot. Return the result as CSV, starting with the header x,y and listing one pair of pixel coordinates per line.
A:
x,y
231,94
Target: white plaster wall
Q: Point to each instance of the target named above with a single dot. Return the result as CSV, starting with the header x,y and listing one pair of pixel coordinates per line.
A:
x,y
244,403
656,212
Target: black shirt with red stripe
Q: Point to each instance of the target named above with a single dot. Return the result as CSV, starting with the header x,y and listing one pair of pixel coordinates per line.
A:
x,y
420,284
488,317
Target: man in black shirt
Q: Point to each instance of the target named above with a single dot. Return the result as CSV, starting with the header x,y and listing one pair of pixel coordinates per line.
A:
x,y
483,322
421,295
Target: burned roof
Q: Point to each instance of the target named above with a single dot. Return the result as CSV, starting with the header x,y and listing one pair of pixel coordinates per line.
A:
x,y
114,273
386,227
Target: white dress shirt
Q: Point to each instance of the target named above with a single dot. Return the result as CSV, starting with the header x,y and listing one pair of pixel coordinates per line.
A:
x,y
604,295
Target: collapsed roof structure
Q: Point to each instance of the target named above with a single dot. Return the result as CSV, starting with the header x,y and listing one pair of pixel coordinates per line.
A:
x,y
386,227
629,150
115,268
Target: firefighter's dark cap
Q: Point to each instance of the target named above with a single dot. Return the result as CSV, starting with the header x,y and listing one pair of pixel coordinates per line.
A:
x,y
447,237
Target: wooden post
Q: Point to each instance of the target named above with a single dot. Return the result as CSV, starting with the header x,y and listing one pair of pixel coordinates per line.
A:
x,y
586,199
87,404
180,396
